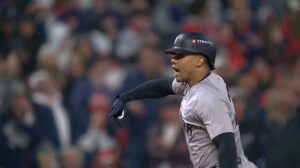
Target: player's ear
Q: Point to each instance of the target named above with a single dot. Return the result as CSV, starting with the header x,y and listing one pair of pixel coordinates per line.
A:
x,y
200,61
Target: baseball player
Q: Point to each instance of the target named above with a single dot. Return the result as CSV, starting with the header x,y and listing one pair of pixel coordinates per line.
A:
x,y
207,113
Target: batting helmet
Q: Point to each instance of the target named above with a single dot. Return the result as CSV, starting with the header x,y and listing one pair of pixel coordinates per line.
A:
x,y
194,43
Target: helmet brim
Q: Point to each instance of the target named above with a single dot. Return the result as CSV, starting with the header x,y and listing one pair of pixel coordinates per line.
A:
x,y
177,50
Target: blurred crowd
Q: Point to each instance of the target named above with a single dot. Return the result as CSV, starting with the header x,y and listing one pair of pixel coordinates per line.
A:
x,y
63,61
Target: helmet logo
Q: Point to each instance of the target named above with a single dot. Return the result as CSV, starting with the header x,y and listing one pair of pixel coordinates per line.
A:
x,y
202,42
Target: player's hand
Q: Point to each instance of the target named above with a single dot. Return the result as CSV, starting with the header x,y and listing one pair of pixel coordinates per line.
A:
x,y
117,112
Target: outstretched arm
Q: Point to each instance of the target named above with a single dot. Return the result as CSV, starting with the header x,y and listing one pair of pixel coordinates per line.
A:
x,y
151,89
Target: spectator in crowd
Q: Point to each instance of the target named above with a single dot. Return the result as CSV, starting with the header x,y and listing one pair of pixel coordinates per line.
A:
x,y
279,141
274,41
8,17
262,71
10,81
249,130
167,16
29,39
80,93
76,69
166,142
150,65
47,156
198,19
246,88
71,158
52,116
105,36
106,159
20,134
14,65
48,61
132,38
290,30
97,138
77,62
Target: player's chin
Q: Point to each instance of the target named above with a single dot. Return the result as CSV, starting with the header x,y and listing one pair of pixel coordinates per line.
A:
x,y
179,78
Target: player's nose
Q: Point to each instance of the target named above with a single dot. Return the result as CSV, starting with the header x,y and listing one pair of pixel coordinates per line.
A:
x,y
173,60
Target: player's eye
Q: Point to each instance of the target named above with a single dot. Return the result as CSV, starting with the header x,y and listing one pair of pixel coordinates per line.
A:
x,y
179,56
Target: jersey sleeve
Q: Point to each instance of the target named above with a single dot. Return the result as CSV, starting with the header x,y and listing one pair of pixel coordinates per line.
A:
x,y
215,115
178,87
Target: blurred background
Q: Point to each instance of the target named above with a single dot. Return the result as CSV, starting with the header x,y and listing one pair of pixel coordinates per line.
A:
x,y
63,61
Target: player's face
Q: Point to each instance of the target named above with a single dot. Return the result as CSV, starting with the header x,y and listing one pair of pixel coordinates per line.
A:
x,y
183,66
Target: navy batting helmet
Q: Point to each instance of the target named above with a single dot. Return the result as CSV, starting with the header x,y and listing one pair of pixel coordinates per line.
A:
x,y
194,43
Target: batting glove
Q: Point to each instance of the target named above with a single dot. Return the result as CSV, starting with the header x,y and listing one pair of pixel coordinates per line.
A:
x,y
117,112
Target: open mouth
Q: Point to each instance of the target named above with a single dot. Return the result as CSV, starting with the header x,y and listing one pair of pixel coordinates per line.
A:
x,y
175,69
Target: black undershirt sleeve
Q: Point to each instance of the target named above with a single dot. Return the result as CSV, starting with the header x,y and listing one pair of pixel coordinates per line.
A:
x,y
227,150
151,89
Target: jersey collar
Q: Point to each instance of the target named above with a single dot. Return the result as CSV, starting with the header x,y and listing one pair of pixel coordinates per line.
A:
x,y
199,82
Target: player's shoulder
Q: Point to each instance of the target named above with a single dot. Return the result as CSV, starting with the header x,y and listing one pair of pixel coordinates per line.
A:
x,y
179,87
205,96
211,89
210,84
214,85
215,80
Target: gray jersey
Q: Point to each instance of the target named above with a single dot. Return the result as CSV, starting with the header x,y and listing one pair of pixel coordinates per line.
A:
x,y
207,111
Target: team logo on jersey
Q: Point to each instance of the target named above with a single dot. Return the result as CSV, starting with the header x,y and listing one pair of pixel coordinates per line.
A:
x,y
188,128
